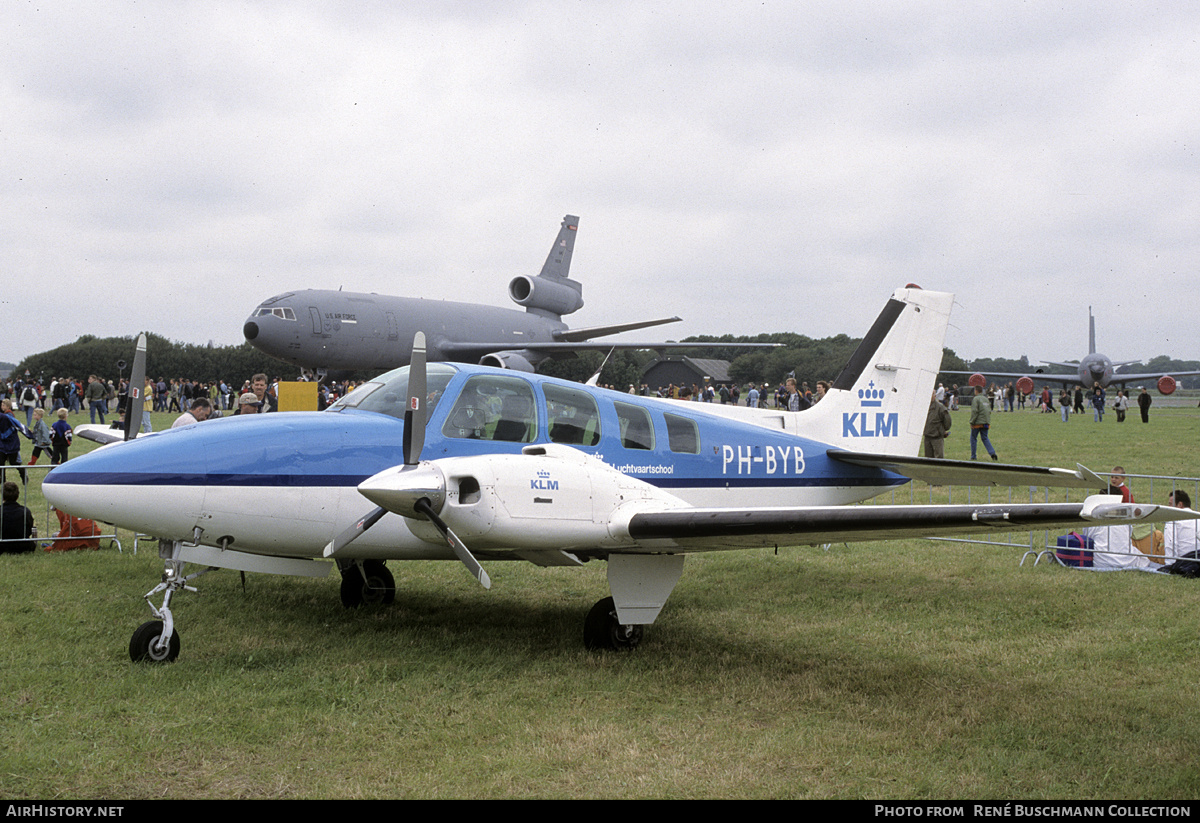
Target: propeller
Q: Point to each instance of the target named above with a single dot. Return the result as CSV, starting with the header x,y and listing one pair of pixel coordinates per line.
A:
x,y
411,490
134,397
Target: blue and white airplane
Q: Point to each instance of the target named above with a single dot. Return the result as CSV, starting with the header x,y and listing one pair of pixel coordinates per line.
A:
x,y
483,464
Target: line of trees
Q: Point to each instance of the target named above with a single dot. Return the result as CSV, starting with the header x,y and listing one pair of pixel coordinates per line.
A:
x,y
164,358
810,359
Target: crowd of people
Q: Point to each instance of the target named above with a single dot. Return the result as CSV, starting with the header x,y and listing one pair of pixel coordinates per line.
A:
x,y
1069,402
786,394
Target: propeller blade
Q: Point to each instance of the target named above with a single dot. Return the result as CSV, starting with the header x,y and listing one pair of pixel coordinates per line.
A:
x,y
135,394
414,415
351,534
460,549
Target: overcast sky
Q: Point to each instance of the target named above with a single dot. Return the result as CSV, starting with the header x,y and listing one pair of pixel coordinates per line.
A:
x,y
751,167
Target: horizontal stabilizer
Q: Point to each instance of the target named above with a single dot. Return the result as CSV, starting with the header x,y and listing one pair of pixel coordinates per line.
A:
x,y
972,473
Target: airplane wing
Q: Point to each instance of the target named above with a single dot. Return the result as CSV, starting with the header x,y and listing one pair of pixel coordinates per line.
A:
x,y
1121,377
579,335
973,473
1036,375
701,529
480,349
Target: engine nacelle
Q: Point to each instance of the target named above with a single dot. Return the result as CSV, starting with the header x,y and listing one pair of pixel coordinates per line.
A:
x,y
557,297
507,360
1025,385
1166,384
977,379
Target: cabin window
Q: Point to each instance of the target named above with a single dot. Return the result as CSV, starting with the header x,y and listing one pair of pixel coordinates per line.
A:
x,y
682,434
574,418
494,408
637,432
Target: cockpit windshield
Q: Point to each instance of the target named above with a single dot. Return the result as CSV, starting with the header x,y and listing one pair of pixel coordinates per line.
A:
x,y
388,394
282,312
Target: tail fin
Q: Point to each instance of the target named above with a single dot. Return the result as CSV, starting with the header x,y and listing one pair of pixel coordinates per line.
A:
x,y
552,293
880,400
558,262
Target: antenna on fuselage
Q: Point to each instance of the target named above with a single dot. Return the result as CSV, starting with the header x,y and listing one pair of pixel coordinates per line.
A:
x,y
594,380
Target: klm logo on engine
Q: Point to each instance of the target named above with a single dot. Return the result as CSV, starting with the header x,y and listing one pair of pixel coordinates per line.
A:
x,y
867,423
543,482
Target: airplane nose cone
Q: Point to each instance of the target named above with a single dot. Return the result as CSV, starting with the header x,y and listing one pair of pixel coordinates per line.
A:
x,y
250,330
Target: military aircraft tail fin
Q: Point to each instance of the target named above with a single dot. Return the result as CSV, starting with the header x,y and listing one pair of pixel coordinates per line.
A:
x,y
558,262
552,293
880,399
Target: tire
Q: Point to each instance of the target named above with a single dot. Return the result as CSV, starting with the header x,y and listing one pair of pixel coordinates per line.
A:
x,y
602,629
141,645
379,587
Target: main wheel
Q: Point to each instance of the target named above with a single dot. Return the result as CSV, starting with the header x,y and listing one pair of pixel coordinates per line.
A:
x,y
603,630
143,644
372,585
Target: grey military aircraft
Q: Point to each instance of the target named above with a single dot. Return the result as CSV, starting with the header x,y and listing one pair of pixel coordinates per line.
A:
x,y
1092,369
323,330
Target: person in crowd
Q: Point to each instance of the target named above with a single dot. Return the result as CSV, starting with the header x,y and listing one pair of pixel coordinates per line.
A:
x,y
1116,484
40,434
10,443
266,400
17,529
95,395
981,420
200,409
61,435
937,426
248,403
1180,536
1098,403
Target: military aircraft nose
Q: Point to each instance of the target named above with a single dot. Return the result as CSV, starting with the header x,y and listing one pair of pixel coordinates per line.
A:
x,y
250,330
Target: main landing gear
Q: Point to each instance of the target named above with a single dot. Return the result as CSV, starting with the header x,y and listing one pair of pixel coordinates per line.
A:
x,y
641,584
602,629
367,584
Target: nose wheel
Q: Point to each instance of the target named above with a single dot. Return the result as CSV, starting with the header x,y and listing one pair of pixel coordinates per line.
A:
x,y
156,641
148,645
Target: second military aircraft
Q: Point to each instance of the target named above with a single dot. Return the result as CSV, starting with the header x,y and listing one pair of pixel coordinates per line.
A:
x,y
324,331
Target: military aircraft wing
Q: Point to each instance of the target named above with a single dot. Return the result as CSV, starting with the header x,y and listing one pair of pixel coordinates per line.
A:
x,y
701,529
578,335
973,473
1123,378
475,349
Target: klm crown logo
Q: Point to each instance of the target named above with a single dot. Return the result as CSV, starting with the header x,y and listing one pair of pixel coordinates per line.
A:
x,y
867,424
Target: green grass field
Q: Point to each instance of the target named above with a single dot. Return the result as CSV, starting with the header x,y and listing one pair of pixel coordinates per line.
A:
x,y
891,670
